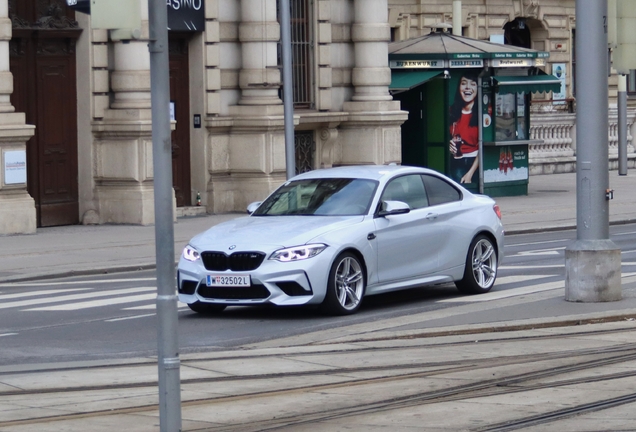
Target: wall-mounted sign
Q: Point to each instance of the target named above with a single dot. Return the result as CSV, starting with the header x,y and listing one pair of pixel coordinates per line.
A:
x,y
186,15
423,64
559,71
14,167
512,62
466,63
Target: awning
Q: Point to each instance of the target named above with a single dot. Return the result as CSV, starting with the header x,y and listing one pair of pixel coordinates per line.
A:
x,y
402,80
530,84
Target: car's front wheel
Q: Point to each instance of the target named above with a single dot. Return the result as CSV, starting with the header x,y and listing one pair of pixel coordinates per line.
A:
x,y
481,267
206,308
346,285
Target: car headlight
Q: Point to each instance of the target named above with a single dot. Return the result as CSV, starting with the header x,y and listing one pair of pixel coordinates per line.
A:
x,y
191,253
298,253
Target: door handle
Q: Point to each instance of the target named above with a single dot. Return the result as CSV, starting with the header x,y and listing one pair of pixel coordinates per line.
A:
x,y
431,216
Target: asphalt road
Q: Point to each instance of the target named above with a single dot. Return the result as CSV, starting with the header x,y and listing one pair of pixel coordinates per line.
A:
x,y
113,316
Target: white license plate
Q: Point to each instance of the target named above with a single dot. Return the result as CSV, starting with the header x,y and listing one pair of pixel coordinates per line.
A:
x,y
235,280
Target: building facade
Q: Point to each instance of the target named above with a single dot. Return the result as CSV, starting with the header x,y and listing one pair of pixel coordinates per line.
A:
x,y
75,110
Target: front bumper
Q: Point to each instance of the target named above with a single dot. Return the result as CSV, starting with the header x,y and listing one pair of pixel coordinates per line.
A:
x,y
279,283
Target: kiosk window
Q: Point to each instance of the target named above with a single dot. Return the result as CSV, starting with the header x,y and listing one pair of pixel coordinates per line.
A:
x,y
510,117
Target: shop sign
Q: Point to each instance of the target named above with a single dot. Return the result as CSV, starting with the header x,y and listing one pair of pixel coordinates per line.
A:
x,y
15,167
466,63
186,15
421,64
467,56
512,63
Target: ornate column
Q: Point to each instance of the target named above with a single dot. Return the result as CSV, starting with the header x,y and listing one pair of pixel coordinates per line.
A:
x,y
372,135
256,144
259,33
123,145
17,207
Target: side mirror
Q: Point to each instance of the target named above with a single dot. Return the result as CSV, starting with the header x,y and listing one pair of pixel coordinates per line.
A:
x,y
253,206
388,208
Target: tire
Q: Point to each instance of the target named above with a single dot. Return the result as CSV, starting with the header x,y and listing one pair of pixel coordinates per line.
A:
x,y
481,267
346,285
206,308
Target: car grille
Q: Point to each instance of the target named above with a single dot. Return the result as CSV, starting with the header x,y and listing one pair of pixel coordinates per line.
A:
x,y
238,261
254,292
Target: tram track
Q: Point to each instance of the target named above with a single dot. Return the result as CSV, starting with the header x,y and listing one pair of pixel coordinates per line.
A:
x,y
559,363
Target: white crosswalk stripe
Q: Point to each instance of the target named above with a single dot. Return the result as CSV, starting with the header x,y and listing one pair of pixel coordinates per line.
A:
x,y
72,297
96,303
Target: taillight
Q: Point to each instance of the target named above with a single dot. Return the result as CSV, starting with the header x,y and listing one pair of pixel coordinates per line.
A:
x,y
497,211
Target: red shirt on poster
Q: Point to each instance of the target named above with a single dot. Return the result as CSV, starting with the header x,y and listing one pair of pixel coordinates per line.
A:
x,y
469,134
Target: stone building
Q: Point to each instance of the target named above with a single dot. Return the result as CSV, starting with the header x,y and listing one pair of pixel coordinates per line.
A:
x,y
75,128
89,157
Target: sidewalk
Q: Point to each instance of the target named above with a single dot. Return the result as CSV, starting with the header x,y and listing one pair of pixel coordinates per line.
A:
x,y
61,251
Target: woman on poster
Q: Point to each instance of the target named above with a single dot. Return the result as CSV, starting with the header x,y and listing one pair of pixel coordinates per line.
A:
x,y
464,121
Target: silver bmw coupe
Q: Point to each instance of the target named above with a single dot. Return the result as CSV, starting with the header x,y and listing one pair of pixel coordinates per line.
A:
x,y
330,237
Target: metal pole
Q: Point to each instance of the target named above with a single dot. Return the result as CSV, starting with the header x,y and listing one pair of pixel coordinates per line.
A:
x,y
480,145
593,262
592,123
167,318
622,125
288,95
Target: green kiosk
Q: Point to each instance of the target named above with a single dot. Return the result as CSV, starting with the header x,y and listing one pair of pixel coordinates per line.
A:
x,y
468,102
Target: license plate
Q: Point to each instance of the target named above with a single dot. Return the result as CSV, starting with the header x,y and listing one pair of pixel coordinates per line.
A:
x,y
235,280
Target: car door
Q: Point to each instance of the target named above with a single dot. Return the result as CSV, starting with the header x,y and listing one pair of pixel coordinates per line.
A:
x,y
452,221
407,244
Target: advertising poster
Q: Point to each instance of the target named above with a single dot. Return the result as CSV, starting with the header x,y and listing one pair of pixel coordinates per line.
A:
x,y
464,128
506,164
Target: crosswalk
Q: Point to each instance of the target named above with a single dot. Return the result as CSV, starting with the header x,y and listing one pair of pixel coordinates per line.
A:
x,y
140,295
79,295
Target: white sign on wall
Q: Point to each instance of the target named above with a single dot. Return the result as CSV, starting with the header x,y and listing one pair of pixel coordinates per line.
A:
x,y
14,167
559,71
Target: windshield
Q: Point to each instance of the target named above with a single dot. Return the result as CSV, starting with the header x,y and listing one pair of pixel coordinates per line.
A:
x,y
320,197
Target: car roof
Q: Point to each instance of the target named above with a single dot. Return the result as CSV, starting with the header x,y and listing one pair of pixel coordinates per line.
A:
x,y
372,172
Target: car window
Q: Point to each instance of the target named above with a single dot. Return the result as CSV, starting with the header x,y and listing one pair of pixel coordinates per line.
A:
x,y
321,197
439,190
408,189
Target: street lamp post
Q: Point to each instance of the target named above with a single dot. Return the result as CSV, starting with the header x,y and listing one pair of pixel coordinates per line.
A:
x,y
592,262
167,314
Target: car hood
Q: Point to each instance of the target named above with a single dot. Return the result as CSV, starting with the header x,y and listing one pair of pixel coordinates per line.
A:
x,y
269,232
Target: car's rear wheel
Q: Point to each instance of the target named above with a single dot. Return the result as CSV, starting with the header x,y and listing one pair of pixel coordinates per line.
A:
x,y
481,267
206,308
346,285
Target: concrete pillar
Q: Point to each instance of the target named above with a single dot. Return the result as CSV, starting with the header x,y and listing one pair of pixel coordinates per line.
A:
x,y
17,207
372,133
259,33
123,138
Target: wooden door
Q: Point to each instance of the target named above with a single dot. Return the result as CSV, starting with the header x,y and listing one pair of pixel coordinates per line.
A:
x,y
180,98
42,61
